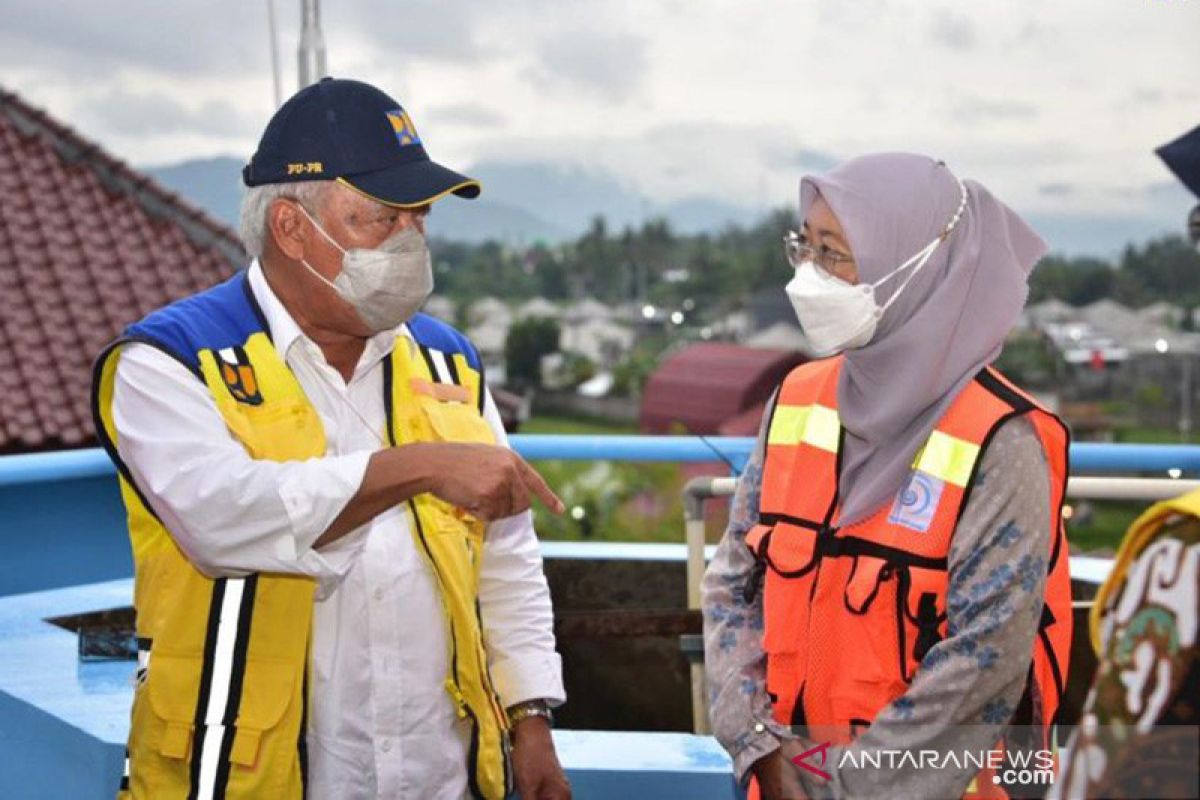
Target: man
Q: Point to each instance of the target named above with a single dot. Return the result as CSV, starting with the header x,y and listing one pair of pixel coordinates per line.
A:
x,y
338,587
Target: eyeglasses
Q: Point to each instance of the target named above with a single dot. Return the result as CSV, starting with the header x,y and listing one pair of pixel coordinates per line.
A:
x,y
798,250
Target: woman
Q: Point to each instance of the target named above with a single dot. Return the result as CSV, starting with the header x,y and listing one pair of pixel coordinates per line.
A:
x,y
894,573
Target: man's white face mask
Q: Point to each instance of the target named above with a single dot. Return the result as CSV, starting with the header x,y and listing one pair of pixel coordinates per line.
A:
x,y
386,285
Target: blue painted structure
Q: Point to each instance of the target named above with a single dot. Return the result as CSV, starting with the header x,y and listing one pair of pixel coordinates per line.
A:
x,y
65,511
63,723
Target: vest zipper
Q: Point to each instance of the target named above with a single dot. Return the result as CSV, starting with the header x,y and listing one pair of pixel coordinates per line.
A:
x,y
452,681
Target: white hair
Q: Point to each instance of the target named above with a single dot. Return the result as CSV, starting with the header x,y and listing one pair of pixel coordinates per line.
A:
x,y
256,202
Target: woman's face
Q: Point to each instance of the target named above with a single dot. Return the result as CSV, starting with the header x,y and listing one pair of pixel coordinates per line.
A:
x,y
823,233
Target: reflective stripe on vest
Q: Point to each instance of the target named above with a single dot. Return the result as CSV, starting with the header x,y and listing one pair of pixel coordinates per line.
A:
x,y
944,457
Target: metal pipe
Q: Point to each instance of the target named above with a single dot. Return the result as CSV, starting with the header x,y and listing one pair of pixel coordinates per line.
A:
x,y
1090,457
311,52
1090,488
274,40
697,490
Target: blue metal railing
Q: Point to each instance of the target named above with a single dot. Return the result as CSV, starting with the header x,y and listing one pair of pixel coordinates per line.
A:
x,y
1086,457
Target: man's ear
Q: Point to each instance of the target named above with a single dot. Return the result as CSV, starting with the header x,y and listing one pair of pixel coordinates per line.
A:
x,y
287,226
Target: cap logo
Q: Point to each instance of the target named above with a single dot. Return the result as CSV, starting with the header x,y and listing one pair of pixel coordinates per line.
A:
x,y
305,168
402,124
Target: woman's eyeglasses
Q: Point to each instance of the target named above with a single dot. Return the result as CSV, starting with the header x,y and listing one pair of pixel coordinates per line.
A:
x,y
799,250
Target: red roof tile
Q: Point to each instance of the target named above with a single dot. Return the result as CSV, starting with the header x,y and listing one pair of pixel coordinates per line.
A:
x,y
707,384
87,246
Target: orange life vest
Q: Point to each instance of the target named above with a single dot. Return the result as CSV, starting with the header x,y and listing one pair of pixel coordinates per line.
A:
x,y
849,612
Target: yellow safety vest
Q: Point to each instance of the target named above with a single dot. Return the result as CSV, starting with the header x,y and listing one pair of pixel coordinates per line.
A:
x,y
220,704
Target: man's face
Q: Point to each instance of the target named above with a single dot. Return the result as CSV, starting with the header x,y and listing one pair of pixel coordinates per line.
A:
x,y
351,219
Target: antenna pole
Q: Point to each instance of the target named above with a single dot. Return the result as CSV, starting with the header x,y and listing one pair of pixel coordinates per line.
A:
x,y
311,54
274,52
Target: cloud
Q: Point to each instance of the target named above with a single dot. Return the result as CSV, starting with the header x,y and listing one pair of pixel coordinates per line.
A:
x,y
1058,189
435,30
604,64
179,37
469,114
953,31
125,113
977,109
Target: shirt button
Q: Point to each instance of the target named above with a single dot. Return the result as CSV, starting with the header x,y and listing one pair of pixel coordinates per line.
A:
x,y
387,745
759,727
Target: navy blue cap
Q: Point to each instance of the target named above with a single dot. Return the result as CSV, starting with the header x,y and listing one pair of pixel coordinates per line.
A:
x,y
350,131
1183,157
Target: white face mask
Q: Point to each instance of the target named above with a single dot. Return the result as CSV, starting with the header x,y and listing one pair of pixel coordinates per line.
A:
x,y
838,316
386,285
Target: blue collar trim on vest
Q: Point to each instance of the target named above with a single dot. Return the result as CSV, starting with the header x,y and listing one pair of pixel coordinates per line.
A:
x,y
227,315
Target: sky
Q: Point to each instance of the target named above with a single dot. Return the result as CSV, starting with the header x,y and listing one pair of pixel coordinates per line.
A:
x,y
1056,105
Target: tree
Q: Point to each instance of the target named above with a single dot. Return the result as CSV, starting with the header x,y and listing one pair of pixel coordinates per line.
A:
x,y
528,340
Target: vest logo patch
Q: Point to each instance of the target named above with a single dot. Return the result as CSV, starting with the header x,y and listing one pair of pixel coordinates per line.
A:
x,y
239,375
917,502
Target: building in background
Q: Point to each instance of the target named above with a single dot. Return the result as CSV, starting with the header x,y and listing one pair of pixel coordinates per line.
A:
x,y
710,386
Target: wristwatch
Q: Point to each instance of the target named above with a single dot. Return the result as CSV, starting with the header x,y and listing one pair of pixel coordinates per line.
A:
x,y
530,708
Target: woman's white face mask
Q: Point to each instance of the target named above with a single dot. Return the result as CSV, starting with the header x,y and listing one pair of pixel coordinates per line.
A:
x,y
838,316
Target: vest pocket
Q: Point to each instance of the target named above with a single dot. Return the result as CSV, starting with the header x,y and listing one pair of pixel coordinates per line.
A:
x,y
174,686
281,420
451,421
862,586
789,552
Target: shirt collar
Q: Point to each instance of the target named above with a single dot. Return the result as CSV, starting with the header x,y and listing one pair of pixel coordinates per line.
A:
x,y
285,332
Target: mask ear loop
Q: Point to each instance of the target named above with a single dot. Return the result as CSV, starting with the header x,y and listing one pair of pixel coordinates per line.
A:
x,y
924,255
320,230
328,238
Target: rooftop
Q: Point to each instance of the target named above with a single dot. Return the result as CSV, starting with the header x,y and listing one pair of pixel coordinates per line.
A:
x,y
87,246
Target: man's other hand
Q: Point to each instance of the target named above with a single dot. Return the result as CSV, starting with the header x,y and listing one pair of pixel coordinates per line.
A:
x,y
538,774
486,481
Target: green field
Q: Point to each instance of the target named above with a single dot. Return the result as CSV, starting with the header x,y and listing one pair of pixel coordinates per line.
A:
x,y
631,502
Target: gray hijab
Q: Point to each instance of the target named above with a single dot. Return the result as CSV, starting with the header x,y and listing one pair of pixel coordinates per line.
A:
x,y
948,324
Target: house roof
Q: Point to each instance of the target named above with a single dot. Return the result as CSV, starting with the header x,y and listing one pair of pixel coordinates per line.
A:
x,y
87,245
709,383
538,307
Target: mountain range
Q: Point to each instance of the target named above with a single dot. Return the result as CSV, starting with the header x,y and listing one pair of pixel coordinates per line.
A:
x,y
522,203
525,203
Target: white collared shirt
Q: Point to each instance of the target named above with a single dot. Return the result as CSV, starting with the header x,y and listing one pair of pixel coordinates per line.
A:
x,y
380,724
